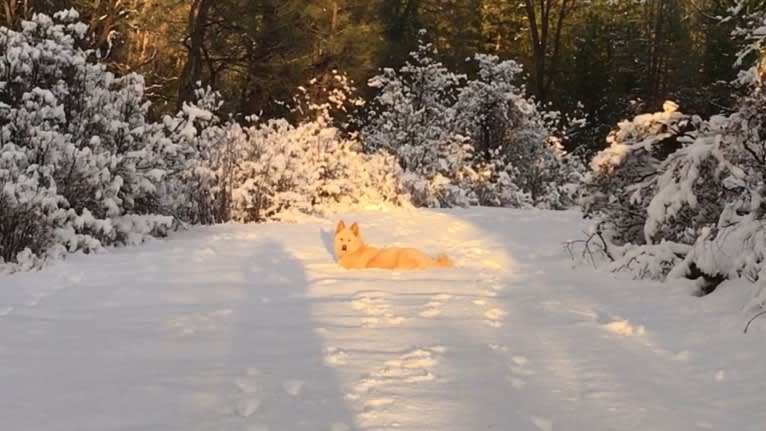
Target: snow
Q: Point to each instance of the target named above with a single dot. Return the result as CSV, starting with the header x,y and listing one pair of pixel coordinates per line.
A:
x,y
253,327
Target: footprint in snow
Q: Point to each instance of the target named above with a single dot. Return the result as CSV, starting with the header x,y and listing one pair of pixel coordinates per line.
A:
x,y
248,387
247,406
433,308
518,370
411,367
494,317
35,300
293,387
542,424
520,360
516,382
335,356
376,310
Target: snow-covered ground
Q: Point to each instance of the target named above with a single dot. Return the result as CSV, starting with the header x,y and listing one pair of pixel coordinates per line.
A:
x,y
254,328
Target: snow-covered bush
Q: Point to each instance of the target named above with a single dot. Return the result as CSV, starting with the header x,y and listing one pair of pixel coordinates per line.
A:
x,y
623,178
269,169
73,171
81,167
196,154
307,168
541,168
412,118
512,139
413,115
649,261
467,142
697,212
723,177
682,197
491,108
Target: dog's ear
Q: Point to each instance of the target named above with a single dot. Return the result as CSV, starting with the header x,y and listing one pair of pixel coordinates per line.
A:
x,y
355,228
340,226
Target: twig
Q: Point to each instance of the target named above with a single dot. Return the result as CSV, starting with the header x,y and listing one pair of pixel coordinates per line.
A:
x,y
589,247
757,315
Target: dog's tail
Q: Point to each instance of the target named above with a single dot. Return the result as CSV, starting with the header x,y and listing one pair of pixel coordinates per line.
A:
x,y
442,261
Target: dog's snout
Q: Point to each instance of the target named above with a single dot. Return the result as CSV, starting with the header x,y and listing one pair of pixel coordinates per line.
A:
x,y
343,247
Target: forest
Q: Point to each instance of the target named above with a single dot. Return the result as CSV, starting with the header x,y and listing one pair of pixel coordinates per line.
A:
x,y
601,60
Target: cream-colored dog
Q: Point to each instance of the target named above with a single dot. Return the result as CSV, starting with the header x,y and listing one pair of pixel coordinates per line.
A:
x,y
353,253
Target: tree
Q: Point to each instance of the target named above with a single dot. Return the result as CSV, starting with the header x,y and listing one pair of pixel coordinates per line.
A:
x,y
77,170
546,21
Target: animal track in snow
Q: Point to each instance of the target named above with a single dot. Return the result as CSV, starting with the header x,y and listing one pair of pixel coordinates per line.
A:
x,y
625,328
247,406
246,385
494,317
542,424
248,402
293,387
376,309
378,402
411,367
373,306
335,356
520,360
35,300
200,322
433,308
516,382
407,369
518,370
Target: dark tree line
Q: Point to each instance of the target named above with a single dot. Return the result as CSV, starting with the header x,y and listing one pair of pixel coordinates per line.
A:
x,y
608,59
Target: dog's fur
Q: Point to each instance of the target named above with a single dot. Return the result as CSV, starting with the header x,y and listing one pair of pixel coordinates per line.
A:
x,y
353,253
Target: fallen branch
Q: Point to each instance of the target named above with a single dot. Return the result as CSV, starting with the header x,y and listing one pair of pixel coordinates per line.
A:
x,y
590,247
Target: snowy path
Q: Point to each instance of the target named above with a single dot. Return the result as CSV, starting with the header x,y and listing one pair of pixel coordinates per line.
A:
x,y
254,328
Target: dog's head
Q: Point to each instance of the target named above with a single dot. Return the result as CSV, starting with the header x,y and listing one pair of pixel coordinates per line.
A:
x,y
347,239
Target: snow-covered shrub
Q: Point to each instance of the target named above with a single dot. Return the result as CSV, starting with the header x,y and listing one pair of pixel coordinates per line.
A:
x,y
412,117
269,169
81,168
623,177
491,109
306,168
724,179
685,196
695,184
467,142
511,140
649,261
72,159
697,212
194,149
540,167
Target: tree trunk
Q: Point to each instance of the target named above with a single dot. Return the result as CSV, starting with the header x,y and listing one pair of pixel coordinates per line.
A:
x,y
192,69
541,25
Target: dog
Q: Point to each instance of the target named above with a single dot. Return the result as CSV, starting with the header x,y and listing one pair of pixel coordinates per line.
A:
x,y
353,253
